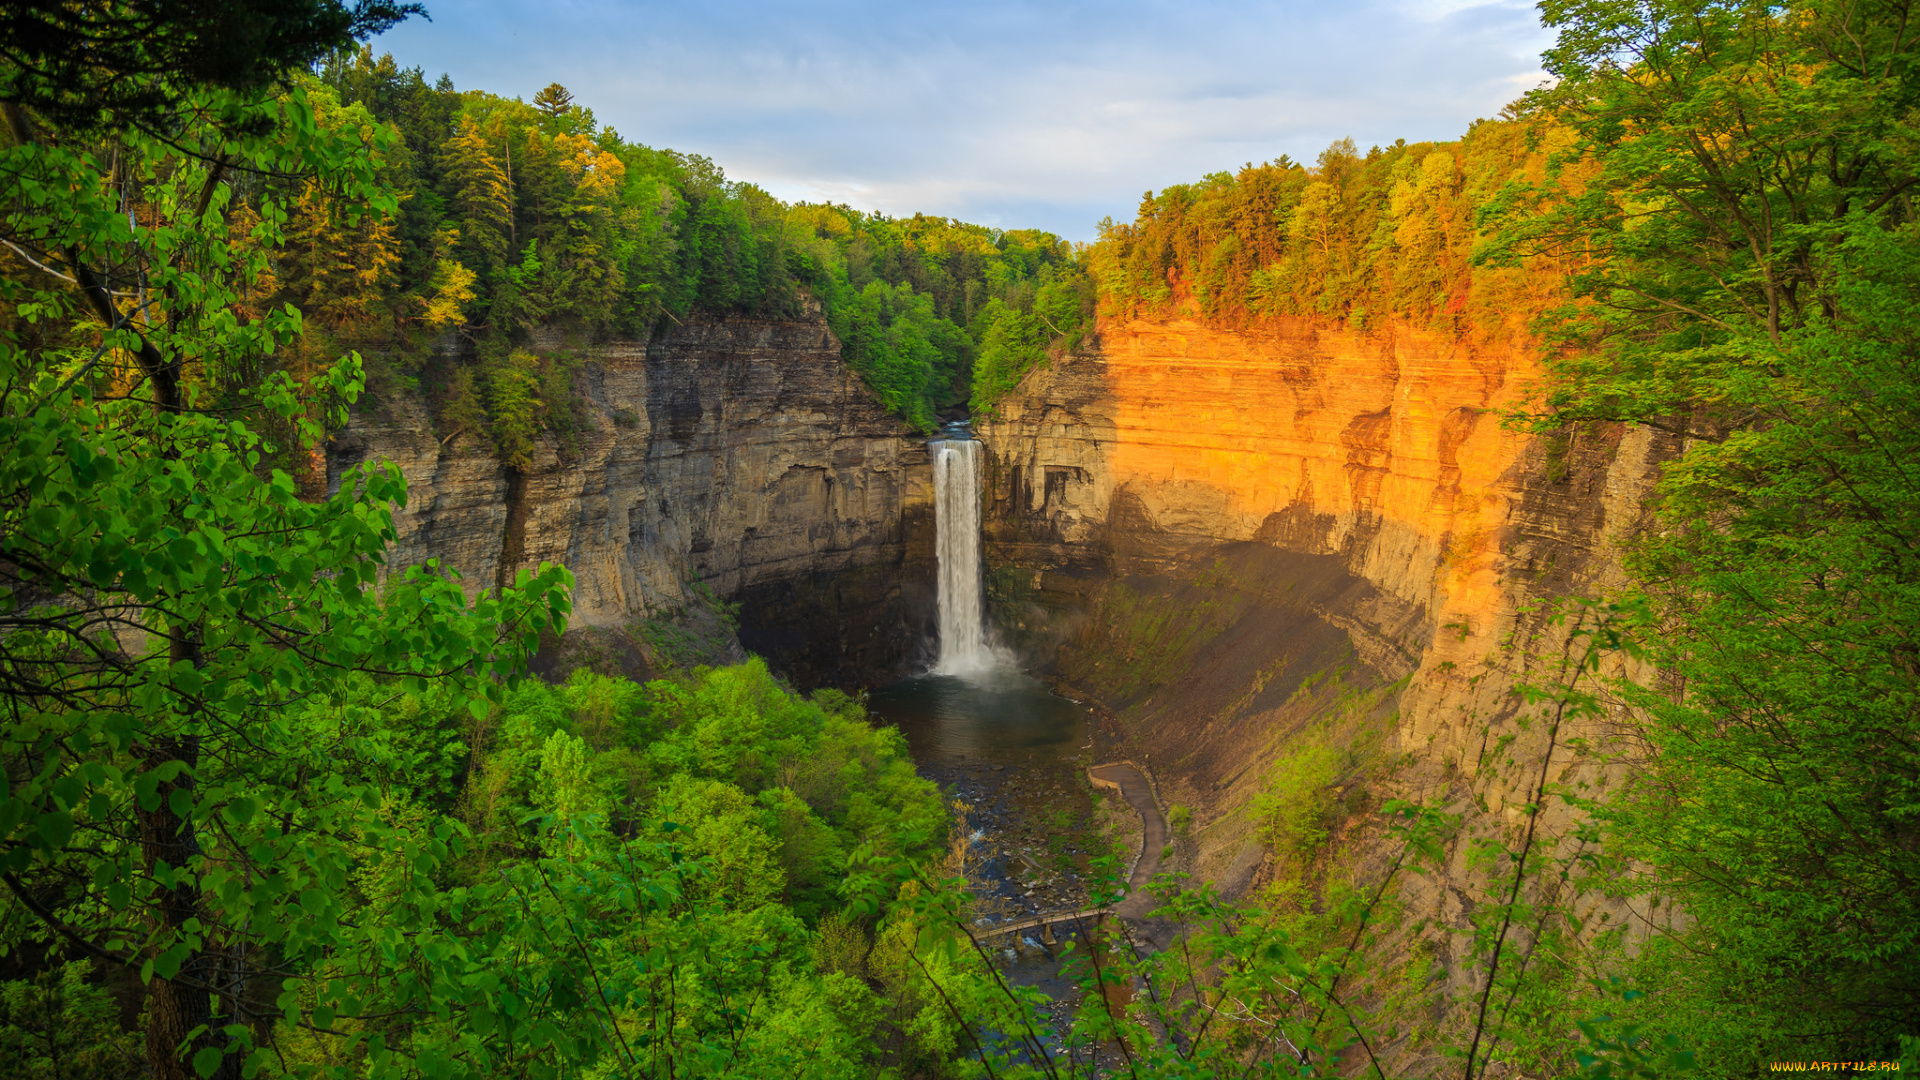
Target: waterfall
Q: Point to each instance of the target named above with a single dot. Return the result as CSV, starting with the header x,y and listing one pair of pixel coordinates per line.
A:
x,y
956,498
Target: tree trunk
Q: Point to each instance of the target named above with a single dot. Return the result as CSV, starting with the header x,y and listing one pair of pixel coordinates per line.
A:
x,y
176,1006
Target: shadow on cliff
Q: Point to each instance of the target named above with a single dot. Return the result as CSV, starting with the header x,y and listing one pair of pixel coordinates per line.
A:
x,y
738,452
1210,660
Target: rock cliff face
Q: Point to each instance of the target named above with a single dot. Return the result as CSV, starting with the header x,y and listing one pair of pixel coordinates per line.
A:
x,y
739,453
1240,542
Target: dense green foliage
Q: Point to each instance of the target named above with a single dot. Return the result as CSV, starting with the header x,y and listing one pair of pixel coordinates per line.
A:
x,y
1709,220
1755,285
94,66
515,216
168,598
297,807
62,1023
633,875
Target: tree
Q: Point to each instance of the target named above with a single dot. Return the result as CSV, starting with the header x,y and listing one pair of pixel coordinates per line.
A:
x,y
61,1024
554,100
339,258
1753,288
891,335
166,596
482,199
1736,143
91,67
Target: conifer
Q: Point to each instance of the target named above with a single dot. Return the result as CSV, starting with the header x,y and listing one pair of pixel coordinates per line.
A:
x,y
482,196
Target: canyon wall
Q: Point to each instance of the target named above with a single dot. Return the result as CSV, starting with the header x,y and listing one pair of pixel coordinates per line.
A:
x,y
1246,545
738,453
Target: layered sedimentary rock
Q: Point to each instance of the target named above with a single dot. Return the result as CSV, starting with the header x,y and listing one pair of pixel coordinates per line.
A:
x,y
1229,538
738,453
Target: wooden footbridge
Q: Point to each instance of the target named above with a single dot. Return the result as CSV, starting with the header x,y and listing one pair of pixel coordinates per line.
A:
x,y
1130,782
1046,923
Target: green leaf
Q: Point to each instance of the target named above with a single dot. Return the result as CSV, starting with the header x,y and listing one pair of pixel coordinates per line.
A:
x,y
55,829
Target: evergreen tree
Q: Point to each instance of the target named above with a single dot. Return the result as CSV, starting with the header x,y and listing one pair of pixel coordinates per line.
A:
x,y
554,100
481,200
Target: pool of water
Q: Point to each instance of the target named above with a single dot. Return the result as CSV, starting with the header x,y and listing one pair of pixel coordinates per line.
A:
x,y
1012,754
1002,717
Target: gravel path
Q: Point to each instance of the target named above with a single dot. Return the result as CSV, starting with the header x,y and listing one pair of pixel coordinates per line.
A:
x,y
1155,835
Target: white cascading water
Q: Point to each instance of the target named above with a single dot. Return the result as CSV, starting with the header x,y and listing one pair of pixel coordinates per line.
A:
x,y
964,649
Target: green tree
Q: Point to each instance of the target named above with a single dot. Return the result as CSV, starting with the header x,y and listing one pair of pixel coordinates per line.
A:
x,y
553,100
166,596
891,335
1014,342
338,258
61,1024
104,65
517,410
482,199
1753,289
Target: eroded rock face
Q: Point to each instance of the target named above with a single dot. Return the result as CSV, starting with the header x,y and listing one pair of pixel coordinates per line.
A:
x,y
1229,538
740,453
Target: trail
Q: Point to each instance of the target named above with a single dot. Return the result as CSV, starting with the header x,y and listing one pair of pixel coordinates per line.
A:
x,y
1133,786
1126,778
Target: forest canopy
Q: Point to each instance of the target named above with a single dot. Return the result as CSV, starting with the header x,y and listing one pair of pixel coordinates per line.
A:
x,y
273,806
517,215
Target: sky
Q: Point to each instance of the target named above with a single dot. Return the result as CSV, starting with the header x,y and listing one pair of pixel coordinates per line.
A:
x,y
1015,115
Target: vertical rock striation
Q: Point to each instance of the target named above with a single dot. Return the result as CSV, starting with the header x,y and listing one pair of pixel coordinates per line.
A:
x,y
739,453
1228,538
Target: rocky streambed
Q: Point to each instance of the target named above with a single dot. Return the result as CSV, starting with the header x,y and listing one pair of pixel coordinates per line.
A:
x,y
1012,756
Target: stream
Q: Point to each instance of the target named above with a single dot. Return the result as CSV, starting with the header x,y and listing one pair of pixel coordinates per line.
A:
x,y
1008,752
1012,755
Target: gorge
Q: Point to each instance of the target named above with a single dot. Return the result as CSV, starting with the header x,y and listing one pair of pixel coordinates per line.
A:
x,y
739,453
1234,543
483,596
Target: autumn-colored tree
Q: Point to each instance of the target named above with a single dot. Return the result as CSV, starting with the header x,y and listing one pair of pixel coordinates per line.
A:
x,y
481,198
554,100
339,262
583,238
339,257
337,265
451,288
1432,235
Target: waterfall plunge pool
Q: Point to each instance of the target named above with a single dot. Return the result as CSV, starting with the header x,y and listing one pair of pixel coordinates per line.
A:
x,y
1008,750
998,717
1011,754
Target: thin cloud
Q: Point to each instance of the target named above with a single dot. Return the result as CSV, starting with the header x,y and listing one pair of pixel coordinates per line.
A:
x,y
1046,115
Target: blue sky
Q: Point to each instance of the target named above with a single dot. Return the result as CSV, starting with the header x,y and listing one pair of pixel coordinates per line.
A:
x,y
1049,115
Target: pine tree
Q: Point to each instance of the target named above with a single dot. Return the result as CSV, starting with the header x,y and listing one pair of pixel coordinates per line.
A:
x,y
555,100
340,262
482,198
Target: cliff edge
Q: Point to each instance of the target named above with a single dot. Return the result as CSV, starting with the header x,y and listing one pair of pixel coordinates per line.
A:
x,y
1306,563
739,453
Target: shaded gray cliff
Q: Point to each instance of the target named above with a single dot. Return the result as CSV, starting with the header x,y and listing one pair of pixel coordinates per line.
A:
x,y
736,452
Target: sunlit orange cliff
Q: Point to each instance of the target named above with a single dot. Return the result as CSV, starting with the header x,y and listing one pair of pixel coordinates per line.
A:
x,y
1239,540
